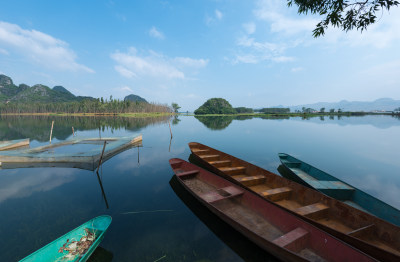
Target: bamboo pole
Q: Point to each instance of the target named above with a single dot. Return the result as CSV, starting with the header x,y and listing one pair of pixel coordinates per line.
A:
x,y
101,157
51,131
170,128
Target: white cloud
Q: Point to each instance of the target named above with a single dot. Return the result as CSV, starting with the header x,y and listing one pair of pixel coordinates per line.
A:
x,y
40,48
275,13
126,89
281,59
153,32
190,62
251,51
152,64
297,69
250,28
218,14
3,52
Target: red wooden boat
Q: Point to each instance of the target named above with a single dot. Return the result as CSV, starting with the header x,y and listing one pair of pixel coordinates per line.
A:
x,y
269,226
372,235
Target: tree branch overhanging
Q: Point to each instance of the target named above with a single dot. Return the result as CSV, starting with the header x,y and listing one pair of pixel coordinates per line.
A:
x,y
344,14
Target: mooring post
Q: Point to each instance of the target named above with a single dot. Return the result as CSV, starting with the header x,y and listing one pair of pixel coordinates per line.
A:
x,y
51,131
170,128
101,157
73,133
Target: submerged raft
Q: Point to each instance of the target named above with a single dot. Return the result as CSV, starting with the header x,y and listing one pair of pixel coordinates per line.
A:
x,y
13,144
83,153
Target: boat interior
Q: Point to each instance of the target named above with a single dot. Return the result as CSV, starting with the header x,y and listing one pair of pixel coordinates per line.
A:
x,y
269,226
300,200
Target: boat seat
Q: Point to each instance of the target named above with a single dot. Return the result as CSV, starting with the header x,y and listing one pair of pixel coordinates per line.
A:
x,y
220,163
322,184
188,174
221,193
294,240
276,194
209,157
361,231
251,180
232,170
313,211
199,151
303,175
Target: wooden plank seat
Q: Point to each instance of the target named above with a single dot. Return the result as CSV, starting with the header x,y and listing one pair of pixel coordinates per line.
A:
x,y
276,194
200,151
303,175
188,174
220,163
335,185
313,211
362,231
209,157
221,194
294,240
251,180
232,170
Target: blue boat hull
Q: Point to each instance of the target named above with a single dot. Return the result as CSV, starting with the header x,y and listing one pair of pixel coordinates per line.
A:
x,y
312,177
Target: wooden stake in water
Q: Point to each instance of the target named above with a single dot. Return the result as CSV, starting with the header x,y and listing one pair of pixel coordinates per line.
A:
x,y
170,129
73,133
101,157
51,131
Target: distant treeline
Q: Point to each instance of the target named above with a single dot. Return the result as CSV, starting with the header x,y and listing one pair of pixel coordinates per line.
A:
x,y
273,110
96,106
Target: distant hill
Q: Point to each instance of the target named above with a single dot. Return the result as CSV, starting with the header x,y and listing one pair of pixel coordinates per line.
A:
x,y
382,104
134,98
9,92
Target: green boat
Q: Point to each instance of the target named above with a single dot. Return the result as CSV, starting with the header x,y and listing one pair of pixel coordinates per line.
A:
x,y
310,176
76,245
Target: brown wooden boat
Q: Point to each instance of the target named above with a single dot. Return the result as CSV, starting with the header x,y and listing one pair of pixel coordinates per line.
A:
x,y
272,228
372,235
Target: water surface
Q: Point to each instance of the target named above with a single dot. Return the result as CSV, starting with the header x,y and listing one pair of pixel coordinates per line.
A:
x,y
153,219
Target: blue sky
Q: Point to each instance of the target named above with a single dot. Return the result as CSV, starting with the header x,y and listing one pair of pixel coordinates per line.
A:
x,y
252,53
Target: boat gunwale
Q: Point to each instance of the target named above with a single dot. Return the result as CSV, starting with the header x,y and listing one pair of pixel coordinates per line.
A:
x,y
273,248
372,249
382,203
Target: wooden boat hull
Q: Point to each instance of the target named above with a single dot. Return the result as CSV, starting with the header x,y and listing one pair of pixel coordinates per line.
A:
x,y
50,252
13,144
89,159
372,235
270,227
312,177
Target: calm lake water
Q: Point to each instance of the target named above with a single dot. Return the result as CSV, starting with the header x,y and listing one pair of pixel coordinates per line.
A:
x,y
153,219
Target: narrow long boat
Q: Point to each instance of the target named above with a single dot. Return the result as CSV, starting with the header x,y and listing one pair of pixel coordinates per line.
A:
x,y
270,227
76,245
83,153
13,144
312,177
370,234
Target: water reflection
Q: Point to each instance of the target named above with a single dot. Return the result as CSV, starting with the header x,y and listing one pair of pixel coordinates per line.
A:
x,y
379,121
215,122
243,247
38,127
19,184
101,255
